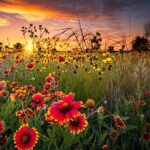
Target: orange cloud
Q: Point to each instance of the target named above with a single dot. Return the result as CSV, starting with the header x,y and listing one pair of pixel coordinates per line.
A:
x,y
4,22
29,12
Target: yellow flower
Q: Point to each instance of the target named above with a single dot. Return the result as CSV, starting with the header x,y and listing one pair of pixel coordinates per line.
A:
x,y
106,54
20,92
101,110
13,97
107,60
90,103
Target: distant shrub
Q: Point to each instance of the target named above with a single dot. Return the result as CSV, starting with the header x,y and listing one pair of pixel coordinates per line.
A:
x,y
140,44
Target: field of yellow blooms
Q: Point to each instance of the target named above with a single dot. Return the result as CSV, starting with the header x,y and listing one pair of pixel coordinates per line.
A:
x,y
67,101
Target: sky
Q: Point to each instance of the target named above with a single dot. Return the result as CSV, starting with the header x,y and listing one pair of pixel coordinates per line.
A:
x,y
112,18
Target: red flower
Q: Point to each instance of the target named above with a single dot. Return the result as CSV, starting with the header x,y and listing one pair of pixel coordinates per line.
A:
x,y
47,86
105,147
30,66
49,79
146,136
6,72
13,96
64,110
13,68
147,93
2,140
61,59
19,60
1,126
38,100
119,123
55,84
13,84
2,84
78,124
4,93
30,89
25,138
24,114
4,57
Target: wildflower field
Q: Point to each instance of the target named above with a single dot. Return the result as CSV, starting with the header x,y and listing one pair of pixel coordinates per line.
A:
x,y
67,101
74,75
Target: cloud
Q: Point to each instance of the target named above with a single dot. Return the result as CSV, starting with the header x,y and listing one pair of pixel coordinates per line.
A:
x,y
104,15
26,10
39,10
4,22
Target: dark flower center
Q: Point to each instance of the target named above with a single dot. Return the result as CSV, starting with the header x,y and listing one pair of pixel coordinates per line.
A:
x,y
75,122
38,101
25,138
65,107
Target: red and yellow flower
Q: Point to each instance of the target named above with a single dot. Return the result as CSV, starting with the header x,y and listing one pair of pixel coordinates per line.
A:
x,y
24,114
119,122
25,138
6,72
38,100
61,59
78,124
20,92
30,66
30,89
13,84
47,86
49,79
13,96
13,68
2,84
64,110
105,147
4,93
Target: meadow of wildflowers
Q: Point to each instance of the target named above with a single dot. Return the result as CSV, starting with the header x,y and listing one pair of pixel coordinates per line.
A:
x,y
64,101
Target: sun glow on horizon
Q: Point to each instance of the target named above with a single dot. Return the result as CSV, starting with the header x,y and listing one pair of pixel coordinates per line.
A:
x,y
29,46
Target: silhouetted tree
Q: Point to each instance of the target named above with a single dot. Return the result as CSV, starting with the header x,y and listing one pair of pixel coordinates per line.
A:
x,y
18,47
140,44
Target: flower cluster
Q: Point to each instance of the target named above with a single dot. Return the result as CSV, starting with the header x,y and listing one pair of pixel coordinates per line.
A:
x,y
67,111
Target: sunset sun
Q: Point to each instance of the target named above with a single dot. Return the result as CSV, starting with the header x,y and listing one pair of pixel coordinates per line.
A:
x,y
29,46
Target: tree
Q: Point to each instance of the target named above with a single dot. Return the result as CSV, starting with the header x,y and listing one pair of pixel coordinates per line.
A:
x,y
18,47
140,44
